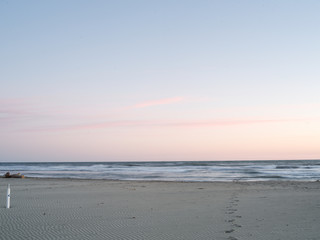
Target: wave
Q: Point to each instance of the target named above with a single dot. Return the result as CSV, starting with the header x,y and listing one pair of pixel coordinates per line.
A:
x,y
172,171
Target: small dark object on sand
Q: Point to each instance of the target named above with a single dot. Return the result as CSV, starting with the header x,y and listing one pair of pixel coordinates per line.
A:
x,y
17,175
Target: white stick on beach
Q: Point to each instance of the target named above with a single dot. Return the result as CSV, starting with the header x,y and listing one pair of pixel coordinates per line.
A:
x,y
8,196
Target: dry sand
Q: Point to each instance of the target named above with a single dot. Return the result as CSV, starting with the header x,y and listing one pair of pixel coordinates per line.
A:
x,y
99,209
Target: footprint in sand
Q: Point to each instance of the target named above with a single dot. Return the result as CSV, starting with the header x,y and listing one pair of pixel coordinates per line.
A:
x,y
231,220
237,225
229,212
232,238
233,209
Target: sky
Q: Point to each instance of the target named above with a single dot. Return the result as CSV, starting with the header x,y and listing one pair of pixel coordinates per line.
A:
x,y
174,80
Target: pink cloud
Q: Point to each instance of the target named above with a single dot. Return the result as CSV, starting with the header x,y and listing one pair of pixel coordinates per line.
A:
x,y
101,125
158,102
12,109
215,123
141,123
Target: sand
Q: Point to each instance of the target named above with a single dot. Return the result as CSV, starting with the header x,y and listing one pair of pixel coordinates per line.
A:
x,y
99,209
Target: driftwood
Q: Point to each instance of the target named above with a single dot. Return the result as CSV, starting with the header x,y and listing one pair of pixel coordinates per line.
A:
x,y
16,175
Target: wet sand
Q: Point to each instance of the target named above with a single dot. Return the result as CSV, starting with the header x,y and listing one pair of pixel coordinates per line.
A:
x,y
100,209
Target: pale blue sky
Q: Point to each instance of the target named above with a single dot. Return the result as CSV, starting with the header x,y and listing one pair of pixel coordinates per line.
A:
x,y
65,63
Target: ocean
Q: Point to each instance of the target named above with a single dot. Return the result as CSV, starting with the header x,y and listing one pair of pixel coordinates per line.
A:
x,y
203,171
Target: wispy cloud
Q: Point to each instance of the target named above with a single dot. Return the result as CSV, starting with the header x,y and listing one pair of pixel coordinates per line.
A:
x,y
97,125
158,102
216,123
154,123
14,109
25,115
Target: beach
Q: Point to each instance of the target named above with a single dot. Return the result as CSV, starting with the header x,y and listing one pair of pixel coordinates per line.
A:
x,y
104,209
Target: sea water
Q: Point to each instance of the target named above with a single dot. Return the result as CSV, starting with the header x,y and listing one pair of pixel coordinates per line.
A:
x,y
302,170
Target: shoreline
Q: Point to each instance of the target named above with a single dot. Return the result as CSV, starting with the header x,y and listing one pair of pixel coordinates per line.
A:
x,y
211,171
168,181
54,208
